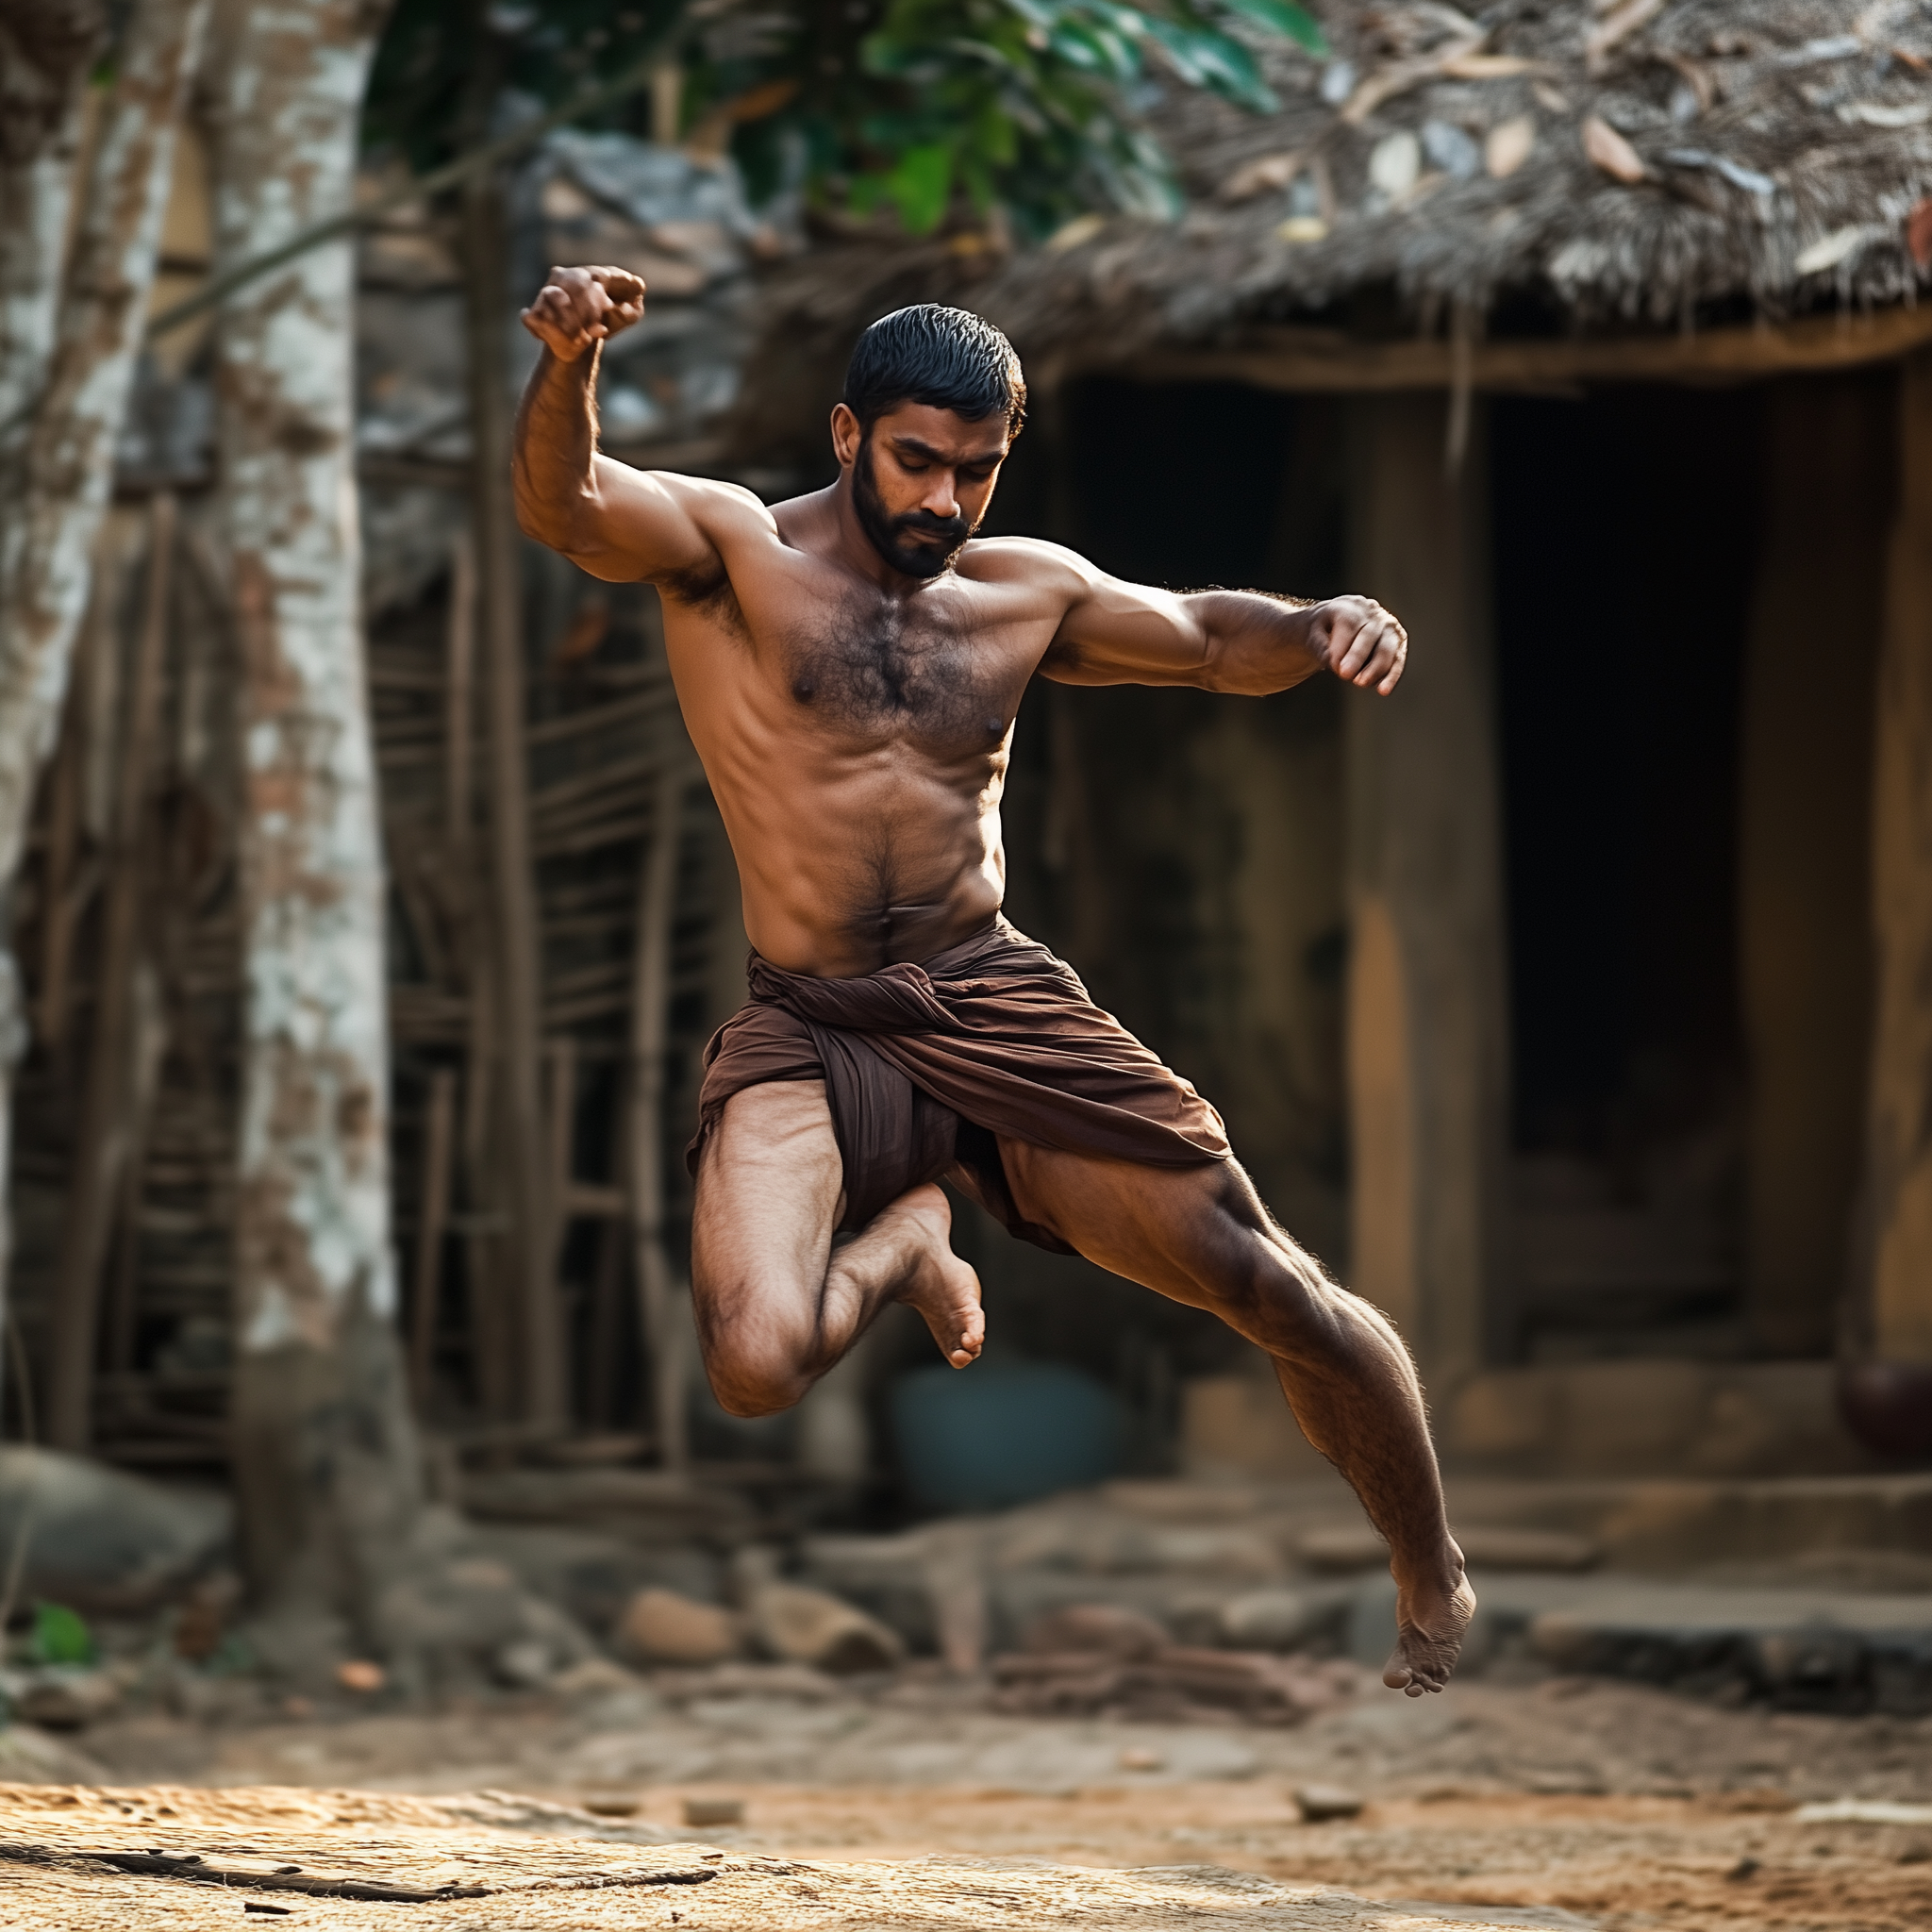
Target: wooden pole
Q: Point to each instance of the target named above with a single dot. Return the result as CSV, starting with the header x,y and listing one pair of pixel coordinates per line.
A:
x,y
1805,843
650,1016
1897,1264
562,1055
1427,1045
528,1249
102,1144
438,1138
492,1350
459,701
148,1042
61,893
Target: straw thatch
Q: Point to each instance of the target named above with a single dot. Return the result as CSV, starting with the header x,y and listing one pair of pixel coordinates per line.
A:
x,y
1549,166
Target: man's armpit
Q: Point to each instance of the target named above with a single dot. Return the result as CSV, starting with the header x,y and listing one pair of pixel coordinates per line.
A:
x,y
706,588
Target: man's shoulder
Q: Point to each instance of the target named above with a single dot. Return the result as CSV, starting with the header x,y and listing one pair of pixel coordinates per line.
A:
x,y
1030,560
712,497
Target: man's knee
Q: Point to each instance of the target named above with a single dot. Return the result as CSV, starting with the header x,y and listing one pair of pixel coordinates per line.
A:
x,y
1263,1282
755,1365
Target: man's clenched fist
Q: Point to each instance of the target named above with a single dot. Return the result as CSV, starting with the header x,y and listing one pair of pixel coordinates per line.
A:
x,y
578,308
1359,641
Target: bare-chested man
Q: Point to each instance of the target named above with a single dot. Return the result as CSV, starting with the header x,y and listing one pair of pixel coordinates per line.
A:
x,y
849,664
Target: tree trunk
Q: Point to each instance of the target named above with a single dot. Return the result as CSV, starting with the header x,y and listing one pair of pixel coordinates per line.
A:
x,y
1896,1266
46,49
326,1462
77,390
69,459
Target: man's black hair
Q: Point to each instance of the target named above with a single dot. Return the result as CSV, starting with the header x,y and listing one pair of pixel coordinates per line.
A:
x,y
947,358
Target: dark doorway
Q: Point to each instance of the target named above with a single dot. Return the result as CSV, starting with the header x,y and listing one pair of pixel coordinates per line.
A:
x,y
1626,530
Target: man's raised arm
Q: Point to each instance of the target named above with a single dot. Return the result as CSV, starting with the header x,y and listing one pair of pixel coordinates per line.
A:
x,y
614,521
1244,641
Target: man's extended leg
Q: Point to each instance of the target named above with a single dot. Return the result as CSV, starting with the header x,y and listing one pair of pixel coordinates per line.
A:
x,y
1200,1234
777,1302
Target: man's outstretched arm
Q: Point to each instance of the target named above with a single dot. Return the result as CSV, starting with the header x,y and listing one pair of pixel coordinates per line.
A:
x,y
1244,642
616,523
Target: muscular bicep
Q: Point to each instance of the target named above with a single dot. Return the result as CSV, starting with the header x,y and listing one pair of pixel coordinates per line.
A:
x,y
647,526
1121,632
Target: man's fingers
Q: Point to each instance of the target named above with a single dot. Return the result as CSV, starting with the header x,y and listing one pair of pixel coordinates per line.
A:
x,y
1370,643
1350,657
1382,648
1398,663
624,288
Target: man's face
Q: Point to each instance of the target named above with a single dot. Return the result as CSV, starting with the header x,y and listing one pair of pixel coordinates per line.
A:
x,y
922,478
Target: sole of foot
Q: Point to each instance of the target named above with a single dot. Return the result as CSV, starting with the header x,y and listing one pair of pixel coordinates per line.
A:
x,y
942,1288
1431,1627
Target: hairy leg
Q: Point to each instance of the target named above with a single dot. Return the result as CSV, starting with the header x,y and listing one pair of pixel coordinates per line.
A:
x,y
778,1300
1201,1236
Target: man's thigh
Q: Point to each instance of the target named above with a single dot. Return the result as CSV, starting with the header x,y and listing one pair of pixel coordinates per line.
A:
x,y
1189,1233
770,1192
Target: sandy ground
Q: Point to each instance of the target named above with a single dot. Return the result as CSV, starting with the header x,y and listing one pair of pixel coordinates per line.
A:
x,y
1616,1806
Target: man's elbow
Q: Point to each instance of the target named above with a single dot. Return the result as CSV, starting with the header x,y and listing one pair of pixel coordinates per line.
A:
x,y
548,521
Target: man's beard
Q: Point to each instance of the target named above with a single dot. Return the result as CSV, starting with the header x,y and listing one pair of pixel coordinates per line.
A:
x,y
891,535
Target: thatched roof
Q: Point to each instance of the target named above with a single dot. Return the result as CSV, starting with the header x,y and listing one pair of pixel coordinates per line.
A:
x,y
1547,166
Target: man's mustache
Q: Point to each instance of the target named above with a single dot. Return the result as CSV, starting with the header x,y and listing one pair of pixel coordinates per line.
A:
x,y
925,521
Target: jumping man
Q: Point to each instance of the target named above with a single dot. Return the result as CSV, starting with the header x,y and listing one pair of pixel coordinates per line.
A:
x,y
849,664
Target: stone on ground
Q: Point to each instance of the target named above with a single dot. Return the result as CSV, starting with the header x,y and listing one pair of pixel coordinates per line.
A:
x,y
659,1627
101,1540
812,1626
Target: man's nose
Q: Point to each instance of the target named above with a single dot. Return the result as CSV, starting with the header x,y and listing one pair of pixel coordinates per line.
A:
x,y
941,498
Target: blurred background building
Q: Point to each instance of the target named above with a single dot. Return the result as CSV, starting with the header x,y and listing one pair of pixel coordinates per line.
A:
x,y
1572,1004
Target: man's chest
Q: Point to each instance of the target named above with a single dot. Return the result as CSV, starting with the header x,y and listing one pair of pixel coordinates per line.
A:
x,y
947,666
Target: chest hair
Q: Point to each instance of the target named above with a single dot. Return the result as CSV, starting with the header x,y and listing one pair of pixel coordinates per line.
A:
x,y
877,666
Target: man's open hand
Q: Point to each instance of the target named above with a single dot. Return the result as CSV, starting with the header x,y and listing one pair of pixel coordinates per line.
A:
x,y
578,308
1359,641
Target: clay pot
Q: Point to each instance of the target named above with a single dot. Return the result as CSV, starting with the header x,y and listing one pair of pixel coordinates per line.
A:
x,y
1888,1407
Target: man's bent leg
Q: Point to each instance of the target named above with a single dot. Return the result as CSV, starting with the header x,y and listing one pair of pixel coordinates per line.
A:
x,y
776,1303
1200,1234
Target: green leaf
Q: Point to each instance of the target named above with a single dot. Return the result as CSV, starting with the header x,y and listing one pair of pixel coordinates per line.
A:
x,y
60,1635
1296,22
1214,61
921,185
1095,49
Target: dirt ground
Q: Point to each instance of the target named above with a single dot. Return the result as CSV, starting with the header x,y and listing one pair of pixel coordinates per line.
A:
x,y
1619,1806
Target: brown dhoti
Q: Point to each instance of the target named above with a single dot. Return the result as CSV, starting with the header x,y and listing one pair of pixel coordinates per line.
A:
x,y
925,1066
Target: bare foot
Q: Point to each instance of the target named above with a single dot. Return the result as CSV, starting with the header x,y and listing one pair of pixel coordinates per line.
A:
x,y
1431,1620
941,1286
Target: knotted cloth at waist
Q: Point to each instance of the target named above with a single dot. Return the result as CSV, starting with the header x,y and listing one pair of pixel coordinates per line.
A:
x,y
926,1065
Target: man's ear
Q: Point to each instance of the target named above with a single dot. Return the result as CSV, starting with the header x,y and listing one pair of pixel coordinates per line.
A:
x,y
846,435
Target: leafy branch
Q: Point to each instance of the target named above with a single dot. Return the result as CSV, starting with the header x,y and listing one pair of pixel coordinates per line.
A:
x,y
1033,105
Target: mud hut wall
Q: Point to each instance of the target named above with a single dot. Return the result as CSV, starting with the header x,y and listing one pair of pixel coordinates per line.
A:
x,y
1805,941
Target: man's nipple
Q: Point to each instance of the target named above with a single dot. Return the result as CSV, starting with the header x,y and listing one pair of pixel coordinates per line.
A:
x,y
804,689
